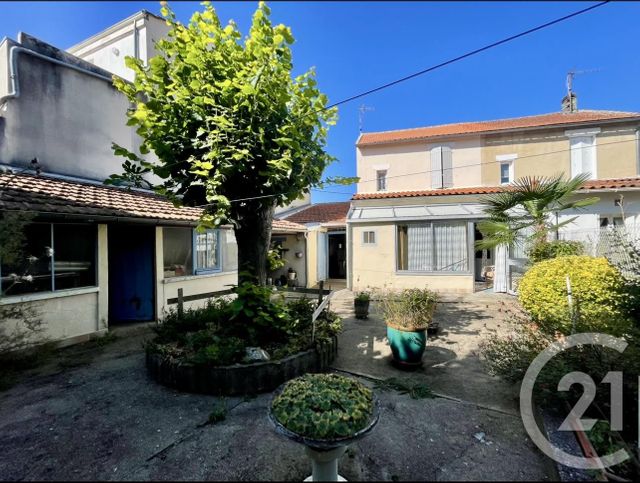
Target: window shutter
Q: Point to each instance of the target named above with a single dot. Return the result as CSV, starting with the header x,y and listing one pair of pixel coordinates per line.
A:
x,y
576,156
447,167
588,156
436,168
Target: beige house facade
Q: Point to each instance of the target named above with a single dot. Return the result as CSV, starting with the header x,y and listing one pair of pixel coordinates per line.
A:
x,y
413,220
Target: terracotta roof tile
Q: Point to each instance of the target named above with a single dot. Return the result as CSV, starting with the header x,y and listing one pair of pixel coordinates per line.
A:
x,y
322,213
287,226
599,184
462,128
45,194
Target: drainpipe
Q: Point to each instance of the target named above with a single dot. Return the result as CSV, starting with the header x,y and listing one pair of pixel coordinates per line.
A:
x,y
136,53
13,70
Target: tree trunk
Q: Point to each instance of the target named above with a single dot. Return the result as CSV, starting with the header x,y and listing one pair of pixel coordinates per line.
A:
x,y
253,236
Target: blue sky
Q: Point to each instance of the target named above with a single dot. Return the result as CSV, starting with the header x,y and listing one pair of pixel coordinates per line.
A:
x,y
359,45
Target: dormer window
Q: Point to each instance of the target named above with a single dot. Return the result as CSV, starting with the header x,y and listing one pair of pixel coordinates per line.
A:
x,y
381,180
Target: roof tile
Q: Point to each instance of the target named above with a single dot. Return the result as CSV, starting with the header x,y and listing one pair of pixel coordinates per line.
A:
x,y
322,213
542,120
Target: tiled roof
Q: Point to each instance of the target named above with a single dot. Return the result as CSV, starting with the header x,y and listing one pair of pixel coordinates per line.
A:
x,y
599,184
43,194
287,226
462,128
322,213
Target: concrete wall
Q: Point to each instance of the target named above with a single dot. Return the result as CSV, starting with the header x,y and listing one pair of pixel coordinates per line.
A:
x,y
374,267
65,118
109,48
312,258
75,314
293,245
167,288
547,152
408,165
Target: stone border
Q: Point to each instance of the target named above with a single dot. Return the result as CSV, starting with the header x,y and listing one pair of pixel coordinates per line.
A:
x,y
241,379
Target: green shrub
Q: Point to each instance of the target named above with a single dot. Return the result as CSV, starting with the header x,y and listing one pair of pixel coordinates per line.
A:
x,y
410,309
192,320
547,250
598,290
324,406
362,296
222,351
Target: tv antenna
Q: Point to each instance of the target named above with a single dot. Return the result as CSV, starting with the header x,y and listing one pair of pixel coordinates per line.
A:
x,y
571,75
362,110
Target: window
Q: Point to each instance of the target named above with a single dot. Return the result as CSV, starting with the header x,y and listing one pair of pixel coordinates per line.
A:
x,y
441,167
369,237
583,155
55,257
178,251
207,251
433,247
381,178
610,221
187,252
505,172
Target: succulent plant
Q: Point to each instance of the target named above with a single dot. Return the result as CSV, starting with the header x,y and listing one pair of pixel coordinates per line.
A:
x,y
324,406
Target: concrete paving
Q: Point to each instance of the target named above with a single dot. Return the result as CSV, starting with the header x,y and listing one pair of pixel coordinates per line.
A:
x,y
93,414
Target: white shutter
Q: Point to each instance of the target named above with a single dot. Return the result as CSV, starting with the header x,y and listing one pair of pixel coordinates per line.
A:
x,y
447,167
576,156
589,156
322,255
583,155
436,167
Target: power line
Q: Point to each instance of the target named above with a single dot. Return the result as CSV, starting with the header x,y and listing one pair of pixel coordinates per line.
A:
x,y
496,161
464,56
424,172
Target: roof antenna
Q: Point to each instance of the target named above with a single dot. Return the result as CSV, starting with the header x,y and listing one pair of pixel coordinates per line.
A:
x,y
362,110
570,102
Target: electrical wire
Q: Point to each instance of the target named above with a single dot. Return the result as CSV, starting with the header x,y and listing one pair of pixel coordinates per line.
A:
x,y
423,172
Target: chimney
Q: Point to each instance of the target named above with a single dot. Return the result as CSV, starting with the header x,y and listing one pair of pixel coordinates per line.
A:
x,y
570,104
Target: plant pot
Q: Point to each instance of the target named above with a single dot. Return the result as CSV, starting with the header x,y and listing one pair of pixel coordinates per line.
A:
x,y
362,308
324,453
407,346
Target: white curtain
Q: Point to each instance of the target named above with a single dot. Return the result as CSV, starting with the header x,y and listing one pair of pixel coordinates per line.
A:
x,y
501,275
420,248
452,250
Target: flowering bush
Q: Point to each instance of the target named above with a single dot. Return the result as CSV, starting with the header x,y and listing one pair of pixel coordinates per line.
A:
x,y
598,292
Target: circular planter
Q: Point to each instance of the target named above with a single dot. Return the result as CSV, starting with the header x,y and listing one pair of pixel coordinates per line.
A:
x,y
324,453
361,308
407,346
240,379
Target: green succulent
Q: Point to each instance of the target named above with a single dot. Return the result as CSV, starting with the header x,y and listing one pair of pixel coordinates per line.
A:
x,y
324,406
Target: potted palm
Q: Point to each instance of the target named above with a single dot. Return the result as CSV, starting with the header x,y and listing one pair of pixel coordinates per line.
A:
x,y
408,315
361,304
326,413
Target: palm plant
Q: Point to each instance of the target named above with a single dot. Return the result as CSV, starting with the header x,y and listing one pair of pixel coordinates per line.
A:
x,y
525,210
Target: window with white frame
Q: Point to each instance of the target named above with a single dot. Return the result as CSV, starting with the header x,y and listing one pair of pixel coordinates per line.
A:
x,y
433,247
369,237
583,155
187,252
381,179
506,162
441,167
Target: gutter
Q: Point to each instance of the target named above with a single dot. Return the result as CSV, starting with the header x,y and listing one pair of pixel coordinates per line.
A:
x,y
13,70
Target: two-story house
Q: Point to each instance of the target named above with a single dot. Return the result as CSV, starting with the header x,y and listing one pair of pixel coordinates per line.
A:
x,y
413,220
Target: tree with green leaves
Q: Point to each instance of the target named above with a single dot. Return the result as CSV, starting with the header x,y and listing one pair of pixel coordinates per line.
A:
x,y
232,130
525,212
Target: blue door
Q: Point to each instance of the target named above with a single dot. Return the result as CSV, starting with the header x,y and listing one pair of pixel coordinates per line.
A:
x,y
131,273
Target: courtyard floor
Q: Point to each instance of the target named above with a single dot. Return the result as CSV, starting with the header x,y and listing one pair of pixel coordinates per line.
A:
x,y
92,413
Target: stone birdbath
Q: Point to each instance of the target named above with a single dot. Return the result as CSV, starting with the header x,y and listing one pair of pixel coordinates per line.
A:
x,y
325,413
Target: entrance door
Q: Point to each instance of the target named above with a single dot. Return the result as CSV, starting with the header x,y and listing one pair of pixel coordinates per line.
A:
x,y
131,273
483,258
337,255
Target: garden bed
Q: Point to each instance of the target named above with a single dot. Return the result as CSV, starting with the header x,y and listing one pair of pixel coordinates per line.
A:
x,y
240,379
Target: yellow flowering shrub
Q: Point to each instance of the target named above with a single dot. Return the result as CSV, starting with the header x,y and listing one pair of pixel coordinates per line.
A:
x,y
597,287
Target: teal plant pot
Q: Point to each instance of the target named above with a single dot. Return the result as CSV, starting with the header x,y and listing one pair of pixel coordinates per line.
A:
x,y
407,346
